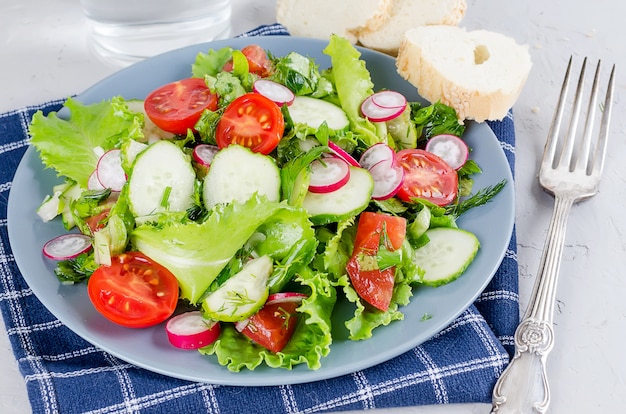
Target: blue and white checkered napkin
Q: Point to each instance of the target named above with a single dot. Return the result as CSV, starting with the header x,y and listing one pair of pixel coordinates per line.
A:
x,y
65,374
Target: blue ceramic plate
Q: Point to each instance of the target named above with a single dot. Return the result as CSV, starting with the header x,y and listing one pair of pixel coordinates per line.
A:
x,y
149,348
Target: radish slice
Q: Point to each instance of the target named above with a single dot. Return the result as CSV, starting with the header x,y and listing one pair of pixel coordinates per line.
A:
x,y
328,175
203,154
67,246
283,297
341,153
276,92
93,183
191,330
389,100
387,180
452,149
109,170
375,112
380,152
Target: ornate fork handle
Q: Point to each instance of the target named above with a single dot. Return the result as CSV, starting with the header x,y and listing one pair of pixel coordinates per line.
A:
x,y
523,386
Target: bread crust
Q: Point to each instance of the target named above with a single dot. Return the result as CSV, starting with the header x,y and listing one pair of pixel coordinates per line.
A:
x,y
407,14
322,18
473,91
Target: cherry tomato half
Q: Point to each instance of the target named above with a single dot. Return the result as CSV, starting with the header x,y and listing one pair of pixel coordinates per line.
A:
x,y
273,325
258,62
177,106
426,176
252,121
372,284
133,291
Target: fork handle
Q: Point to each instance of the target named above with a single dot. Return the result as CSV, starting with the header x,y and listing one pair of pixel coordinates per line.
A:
x,y
523,386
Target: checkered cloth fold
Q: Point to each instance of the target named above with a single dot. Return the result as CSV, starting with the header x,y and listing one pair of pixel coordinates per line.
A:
x,y
66,374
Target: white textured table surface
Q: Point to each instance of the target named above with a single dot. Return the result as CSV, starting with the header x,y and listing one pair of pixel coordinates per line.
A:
x,y
44,56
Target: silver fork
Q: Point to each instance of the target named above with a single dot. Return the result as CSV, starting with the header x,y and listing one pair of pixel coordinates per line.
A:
x,y
570,170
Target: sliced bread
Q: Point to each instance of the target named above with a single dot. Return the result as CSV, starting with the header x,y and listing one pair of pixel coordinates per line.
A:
x,y
478,73
321,18
408,14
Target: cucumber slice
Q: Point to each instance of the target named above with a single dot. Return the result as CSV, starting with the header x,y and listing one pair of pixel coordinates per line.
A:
x,y
241,295
237,173
343,203
161,179
446,256
313,112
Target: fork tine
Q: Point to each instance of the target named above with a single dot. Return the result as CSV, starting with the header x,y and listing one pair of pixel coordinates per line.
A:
x,y
583,161
565,158
555,127
600,153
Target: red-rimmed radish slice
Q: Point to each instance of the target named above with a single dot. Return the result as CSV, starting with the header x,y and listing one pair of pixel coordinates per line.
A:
x,y
389,100
67,246
387,180
341,153
283,297
203,154
191,330
377,153
274,91
450,148
328,175
93,183
109,170
371,110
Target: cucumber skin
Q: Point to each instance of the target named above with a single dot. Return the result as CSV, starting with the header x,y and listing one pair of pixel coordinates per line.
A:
x,y
441,237
317,204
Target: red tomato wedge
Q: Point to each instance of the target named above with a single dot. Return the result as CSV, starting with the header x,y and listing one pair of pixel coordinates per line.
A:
x,y
177,106
252,121
258,62
133,291
273,325
426,176
373,285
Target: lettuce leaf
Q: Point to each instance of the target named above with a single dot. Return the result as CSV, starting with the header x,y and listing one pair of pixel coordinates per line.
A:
x,y
310,341
89,126
366,319
196,253
211,63
353,83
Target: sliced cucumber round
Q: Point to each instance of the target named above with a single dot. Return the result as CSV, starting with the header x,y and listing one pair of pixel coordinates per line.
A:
x,y
313,112
241,295
446,256
343,203
237,173
162,179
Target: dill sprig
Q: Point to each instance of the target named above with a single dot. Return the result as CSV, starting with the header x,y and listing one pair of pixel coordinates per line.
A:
x,y
483,196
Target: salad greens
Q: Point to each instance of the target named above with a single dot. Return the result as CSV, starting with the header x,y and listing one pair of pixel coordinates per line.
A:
x,y
203,247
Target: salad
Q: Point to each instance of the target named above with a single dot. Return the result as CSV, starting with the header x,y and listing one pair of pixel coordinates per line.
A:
x,y
239,205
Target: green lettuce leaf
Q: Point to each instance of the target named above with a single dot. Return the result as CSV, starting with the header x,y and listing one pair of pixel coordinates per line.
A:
x,y
353,83
366,319
211,63
89,126
196,253
310,341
